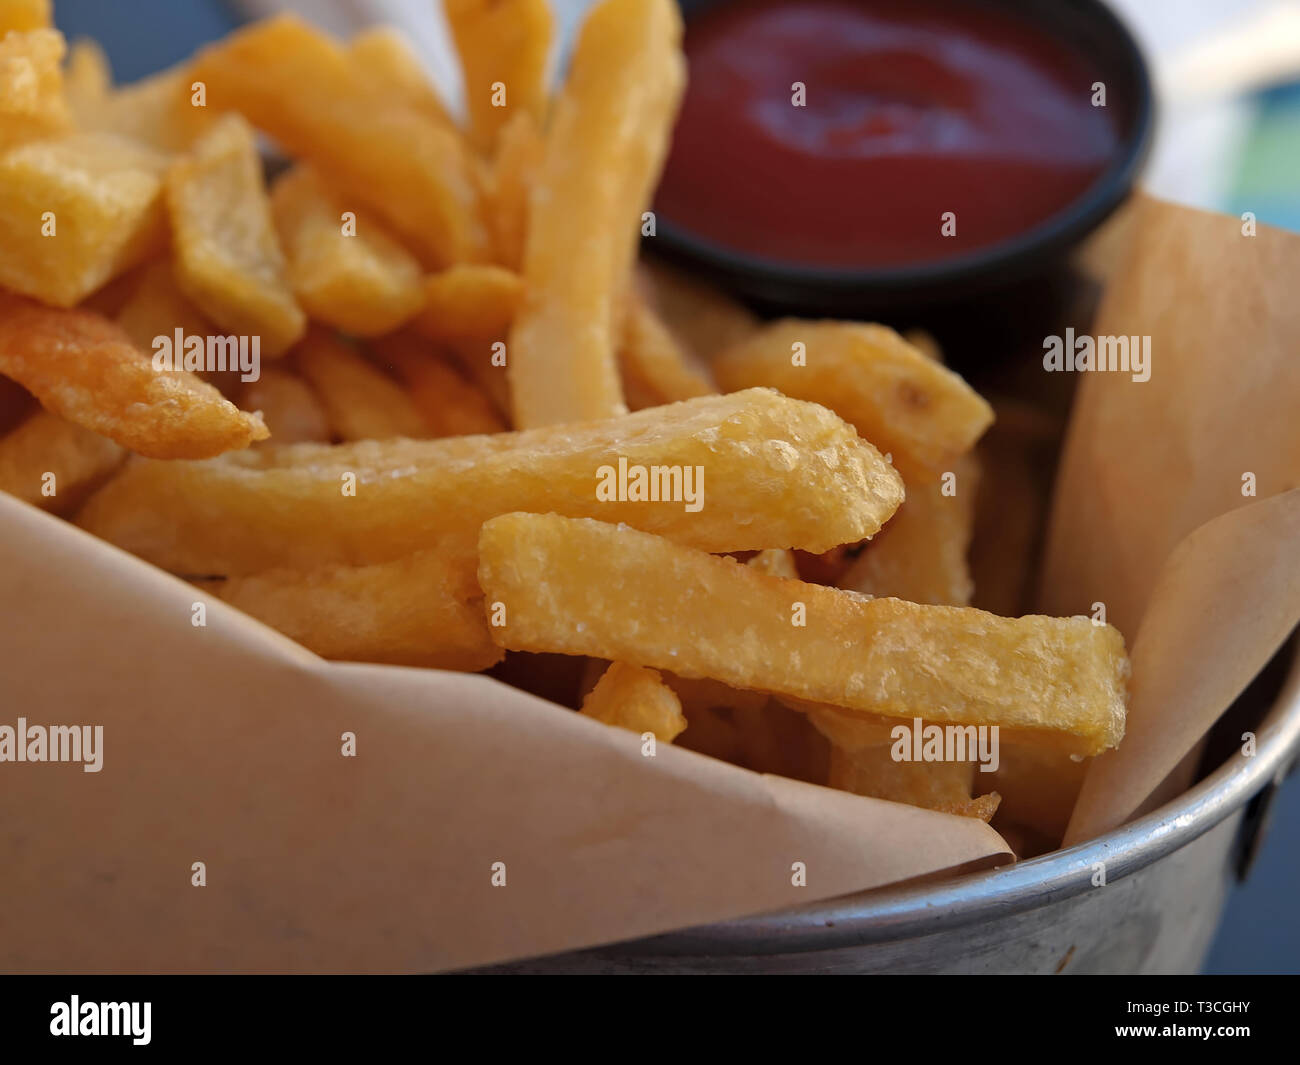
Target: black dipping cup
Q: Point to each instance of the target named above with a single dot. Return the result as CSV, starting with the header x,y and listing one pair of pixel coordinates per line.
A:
x,y
1022,274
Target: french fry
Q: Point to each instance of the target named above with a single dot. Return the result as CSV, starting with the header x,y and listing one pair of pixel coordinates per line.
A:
x,y
468,310
304,90
288,406
503,47
477,361
32,104
921,554
470,303
862,762
847,731
50,463
520,150
23,15
362,281
779,472
944,786
362,402
449,404
384,56
228,260
421,610
904,403
1039,787
604,150
85,368
162,111
698,314
157,307
87,81
777,563
635,698
698,615
76,213
654,367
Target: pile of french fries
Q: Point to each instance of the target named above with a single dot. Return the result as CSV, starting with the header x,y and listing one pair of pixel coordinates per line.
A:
x,y
481,428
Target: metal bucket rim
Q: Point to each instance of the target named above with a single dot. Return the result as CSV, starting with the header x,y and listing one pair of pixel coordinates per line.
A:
x,y
882,914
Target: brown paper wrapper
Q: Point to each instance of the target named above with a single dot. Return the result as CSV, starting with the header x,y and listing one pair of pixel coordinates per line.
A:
x,y
223,743
1150,515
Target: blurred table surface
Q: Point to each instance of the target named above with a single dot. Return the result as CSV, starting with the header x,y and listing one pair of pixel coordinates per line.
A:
x,y
1231,154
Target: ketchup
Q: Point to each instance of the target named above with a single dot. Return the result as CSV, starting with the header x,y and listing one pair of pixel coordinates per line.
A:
x,y
913,108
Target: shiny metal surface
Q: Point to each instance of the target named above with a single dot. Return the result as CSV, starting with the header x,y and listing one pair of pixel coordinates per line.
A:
x,y
1167,875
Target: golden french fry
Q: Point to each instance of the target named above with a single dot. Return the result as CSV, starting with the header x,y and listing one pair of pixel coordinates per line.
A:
x,y
32,104
85,368
778,472
920,555
678,608
470,303
520,149
503,47
904,403
359,280
421,610
654,367
157,307
702,317
87,81
77,212
635,698
846,729
51,463
363,403
1039,787
163,111
449,404
852,731
777,563
604,150
288,406
944,786
385,57
305,90
24,15
478,361
228,260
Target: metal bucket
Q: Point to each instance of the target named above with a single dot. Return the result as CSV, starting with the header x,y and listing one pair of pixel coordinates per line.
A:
x,y
1167,876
